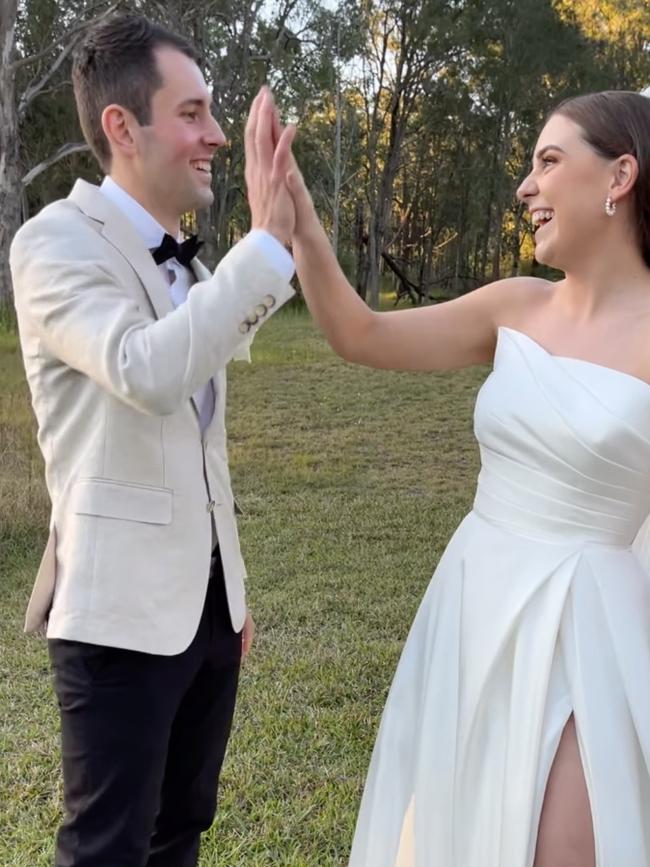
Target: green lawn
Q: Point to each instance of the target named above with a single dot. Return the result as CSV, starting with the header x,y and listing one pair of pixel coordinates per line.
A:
x,y
351,481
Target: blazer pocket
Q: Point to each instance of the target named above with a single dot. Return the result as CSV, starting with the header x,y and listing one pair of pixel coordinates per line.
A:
x,y
126,501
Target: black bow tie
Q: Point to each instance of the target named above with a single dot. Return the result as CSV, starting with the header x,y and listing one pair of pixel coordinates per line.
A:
x,y
171,249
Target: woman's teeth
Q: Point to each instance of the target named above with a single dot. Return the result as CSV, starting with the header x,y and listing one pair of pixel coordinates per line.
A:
x,y
539,218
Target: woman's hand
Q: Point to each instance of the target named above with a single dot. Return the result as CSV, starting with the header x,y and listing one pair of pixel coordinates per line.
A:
x,y
307,221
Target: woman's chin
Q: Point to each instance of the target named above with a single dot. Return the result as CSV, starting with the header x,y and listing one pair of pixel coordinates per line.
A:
x,y
544,256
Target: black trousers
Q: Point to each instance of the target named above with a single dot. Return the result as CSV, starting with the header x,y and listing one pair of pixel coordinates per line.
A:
x,y
143,740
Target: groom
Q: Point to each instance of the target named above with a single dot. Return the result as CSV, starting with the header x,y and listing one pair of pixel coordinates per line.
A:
x,y
125,338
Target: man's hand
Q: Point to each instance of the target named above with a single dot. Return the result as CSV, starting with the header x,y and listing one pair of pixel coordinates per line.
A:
x,y
248,632
268,158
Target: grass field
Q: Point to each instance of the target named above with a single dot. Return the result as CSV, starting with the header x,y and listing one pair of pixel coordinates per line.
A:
x,y
351,481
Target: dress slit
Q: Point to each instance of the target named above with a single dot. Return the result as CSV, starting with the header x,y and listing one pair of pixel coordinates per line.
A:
x,y
544,790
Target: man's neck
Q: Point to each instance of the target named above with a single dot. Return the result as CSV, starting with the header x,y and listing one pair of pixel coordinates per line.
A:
x,y
170,224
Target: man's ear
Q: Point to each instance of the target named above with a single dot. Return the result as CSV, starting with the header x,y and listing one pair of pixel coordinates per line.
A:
x,y
119,127
625,173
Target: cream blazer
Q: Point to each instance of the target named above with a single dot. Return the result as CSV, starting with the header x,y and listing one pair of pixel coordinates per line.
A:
x,y
137,492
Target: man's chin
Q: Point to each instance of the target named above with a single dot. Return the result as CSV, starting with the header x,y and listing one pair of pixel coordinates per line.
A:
x,y
205,197
199,200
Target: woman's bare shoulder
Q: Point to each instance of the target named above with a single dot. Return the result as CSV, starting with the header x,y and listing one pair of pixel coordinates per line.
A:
x,y
528,288
514,298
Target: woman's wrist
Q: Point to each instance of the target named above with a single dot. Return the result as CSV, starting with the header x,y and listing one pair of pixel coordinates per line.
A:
x,y
308,233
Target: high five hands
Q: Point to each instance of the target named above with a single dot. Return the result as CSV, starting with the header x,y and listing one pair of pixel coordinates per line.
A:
x,y
268,159
279,200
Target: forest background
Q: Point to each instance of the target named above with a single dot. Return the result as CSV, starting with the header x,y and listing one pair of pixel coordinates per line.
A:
x,y
416,118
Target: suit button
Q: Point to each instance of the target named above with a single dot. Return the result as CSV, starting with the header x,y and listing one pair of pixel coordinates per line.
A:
x,y
269,300
252,319
261,309
244,327
210,506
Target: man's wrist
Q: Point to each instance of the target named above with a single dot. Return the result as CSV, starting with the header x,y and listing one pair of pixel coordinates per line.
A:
x,y
274,251
280,233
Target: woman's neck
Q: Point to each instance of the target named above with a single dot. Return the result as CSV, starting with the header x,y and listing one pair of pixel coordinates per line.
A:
x,y
606,284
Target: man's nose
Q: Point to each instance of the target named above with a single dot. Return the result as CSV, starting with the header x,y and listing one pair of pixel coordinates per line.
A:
x,y
215,135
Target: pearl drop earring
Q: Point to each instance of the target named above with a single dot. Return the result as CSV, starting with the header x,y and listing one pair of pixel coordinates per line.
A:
x,y
610,207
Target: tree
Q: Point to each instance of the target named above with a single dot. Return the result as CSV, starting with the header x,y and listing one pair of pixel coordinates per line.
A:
x,y
10,180
24,77
408,45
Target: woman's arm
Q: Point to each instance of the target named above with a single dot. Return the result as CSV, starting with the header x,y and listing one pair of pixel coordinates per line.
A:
x,y
456,333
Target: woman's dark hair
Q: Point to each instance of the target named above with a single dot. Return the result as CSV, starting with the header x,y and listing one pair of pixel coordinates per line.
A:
x,y
116,63
613,123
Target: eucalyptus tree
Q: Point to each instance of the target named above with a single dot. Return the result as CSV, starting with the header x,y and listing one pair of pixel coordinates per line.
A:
x,y
10,178
470,134
618,32
408,45
317,90
37,38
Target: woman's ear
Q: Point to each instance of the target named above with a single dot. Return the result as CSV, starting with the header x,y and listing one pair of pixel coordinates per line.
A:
x,y
625,173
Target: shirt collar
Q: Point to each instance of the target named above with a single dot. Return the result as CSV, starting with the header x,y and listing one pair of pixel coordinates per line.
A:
x,y
146,226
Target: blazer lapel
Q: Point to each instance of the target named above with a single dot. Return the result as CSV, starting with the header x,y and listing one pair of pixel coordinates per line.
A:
x,y
200,271
119,232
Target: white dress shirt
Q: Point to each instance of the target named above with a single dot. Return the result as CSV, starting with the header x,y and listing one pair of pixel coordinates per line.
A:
x,y
180,278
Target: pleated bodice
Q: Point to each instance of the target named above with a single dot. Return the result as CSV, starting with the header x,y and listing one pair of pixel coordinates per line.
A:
x,y
565,446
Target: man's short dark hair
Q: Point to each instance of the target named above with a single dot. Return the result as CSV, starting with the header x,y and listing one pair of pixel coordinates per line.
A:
x,y
116,63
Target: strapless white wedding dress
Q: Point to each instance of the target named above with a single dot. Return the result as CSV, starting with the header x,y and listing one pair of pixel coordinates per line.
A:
x,y
539,608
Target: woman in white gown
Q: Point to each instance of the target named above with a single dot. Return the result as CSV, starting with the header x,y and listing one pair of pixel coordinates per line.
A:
x,y
517,729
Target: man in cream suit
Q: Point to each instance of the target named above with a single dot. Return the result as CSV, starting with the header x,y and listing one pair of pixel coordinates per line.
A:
x,y
126,337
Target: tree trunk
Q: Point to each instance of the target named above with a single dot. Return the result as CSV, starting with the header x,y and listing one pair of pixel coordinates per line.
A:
x,y
222,206
496,251
10,175
516,244
338,162
362,256
336,193
499,205
375,246
205,228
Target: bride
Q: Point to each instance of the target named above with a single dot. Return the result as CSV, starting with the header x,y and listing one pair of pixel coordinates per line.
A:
x,y
517,729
